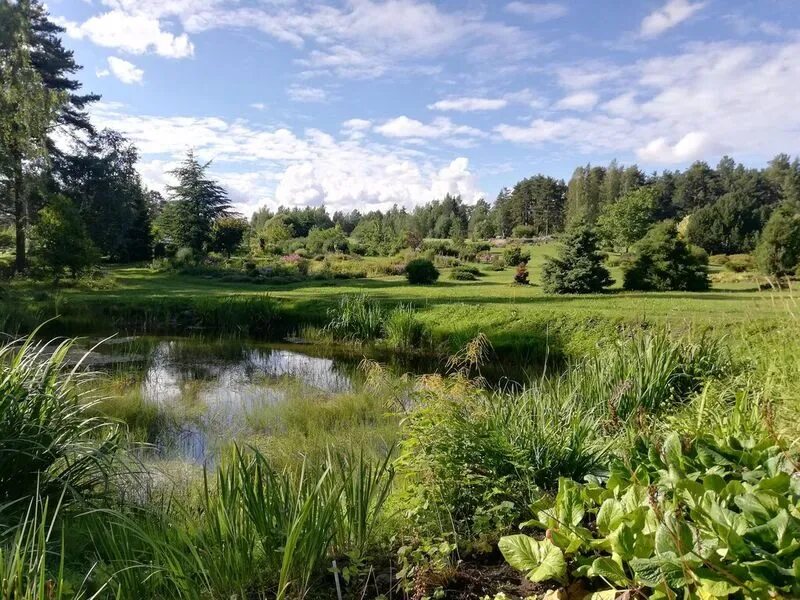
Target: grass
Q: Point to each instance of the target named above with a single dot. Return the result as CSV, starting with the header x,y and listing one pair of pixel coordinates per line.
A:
x,y
519,320
313,479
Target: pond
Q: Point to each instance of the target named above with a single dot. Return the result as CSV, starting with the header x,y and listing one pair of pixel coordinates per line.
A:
x,y
202,393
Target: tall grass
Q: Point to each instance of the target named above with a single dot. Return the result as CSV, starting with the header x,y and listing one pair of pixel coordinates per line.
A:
x,y
356,318
404,330
48,440
644,375
253,530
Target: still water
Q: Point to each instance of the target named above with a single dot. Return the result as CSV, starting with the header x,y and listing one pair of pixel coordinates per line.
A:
x,y
208,392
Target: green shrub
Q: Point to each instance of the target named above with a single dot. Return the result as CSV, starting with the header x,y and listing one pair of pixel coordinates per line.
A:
x,y
464,274
7,238
663,262
184,257
524,231
514,255
778,252
421,271
739,263
59,240
579,267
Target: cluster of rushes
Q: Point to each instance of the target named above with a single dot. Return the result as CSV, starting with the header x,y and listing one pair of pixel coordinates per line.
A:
x,y
652,468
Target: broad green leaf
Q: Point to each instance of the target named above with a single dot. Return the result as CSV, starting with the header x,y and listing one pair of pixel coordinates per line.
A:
x,y
538,559
604,595
569,502
673,452
674,535
609,570
610,516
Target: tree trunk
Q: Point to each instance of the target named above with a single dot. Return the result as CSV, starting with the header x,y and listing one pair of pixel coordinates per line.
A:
x,y
20,219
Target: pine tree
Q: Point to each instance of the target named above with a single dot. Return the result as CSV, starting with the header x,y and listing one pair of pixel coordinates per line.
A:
x,y
665,262
27,109
196,202
579,267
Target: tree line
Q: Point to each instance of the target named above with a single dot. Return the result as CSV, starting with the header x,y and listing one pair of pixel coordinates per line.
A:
x,y
88,201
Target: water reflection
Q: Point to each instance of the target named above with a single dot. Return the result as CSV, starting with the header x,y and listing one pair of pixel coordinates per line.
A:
x,y
206,390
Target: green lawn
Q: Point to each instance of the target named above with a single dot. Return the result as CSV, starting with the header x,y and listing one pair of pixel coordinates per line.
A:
x,y
513,316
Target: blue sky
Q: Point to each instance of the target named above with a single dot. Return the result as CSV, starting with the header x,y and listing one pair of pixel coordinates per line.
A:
x,y
367,103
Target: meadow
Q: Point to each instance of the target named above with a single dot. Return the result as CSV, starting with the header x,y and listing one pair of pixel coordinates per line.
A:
x,y
515,318
650,451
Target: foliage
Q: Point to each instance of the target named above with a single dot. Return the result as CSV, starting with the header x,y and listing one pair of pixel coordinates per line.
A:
x,y
663,261
711,517
626,220
323,241
27,108
102,180
421,271
404,330
357,317
778,252
579,268
227,234
463,274
514,255
732,223
59,239
196,202
49,442
521,276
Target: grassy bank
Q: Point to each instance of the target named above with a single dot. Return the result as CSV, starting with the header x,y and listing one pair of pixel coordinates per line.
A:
x,y
519,320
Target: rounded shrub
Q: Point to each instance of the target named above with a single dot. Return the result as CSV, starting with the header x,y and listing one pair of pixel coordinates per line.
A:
x,y
462,274
421,271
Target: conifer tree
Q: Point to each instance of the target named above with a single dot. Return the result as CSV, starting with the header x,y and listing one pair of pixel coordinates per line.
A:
x,y
579,267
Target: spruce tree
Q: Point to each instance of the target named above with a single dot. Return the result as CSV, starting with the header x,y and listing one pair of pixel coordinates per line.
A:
x,y
665,262
579,267
196,202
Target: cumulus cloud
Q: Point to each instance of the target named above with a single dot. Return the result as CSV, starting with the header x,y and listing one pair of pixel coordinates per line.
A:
x,y
134,33
537,11
709,99
260,165
668,16
125,71
578,101
693,145
405,127
469,104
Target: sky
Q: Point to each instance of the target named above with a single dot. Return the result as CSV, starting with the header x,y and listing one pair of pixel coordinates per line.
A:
x,y
369,103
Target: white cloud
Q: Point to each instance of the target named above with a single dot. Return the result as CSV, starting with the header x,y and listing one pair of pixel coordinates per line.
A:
x,y
537,11
301,93
356,124
258,106
469,104
690,147
404,127
581,101
124,71
259,165
134,33
671,14
707,100
357,38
